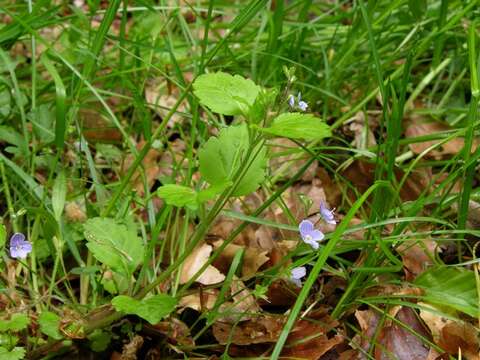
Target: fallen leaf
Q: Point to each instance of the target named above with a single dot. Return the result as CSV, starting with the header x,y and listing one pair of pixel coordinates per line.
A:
x,y
422,127
175,330
95,128
253,259
74,213
364,137
309,339
200,301
194,262
417,255
261,329
149,163
393,340
451,335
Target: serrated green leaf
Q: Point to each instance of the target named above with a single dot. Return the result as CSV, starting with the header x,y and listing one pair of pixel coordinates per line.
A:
x,y
298,126
17,353
220,158
113,244
49,324
153,309
226,94
451,287
17,322
178,195
59,194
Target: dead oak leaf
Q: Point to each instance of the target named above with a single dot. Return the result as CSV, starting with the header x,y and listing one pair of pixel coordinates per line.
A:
x,y
195,261
421,127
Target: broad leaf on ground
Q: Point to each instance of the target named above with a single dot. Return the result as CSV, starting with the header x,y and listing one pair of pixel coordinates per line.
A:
x,y
226,94
114,244
451,287
221,157
153,309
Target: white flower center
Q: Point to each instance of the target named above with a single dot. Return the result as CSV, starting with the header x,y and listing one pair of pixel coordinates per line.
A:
x,y
308,238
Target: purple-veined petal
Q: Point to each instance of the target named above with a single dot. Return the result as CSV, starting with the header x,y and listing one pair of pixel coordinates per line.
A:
x,y
17,239
298,272
305,228
317,235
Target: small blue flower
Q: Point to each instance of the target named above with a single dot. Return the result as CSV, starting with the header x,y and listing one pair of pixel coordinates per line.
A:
x,y
19,247
310,235
327,214
297,274
302,105
291,101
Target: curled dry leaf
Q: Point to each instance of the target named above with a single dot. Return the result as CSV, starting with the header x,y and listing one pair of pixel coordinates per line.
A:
x,y
200,301
451,335
194,262
253,259
422,127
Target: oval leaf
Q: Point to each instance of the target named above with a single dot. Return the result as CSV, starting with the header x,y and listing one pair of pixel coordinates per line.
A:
x,y
298,126
178,195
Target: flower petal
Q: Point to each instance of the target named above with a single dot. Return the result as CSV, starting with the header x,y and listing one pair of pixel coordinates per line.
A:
x,y
17,239
312,243
299,272
305,228
317,235
291,101
302,105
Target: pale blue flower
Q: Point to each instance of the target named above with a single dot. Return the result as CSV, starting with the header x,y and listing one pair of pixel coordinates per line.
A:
x,y
302,105
19,247
327,214
297,274
291,101
298,103
310,235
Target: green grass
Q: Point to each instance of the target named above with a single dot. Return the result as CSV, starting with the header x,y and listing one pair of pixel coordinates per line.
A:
x,y
389,61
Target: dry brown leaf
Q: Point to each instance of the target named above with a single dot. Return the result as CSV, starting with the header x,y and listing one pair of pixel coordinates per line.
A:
x,y
253,259
310,339
97,129
422,127
158,97
194,262
362,132
175,330
362,174
262,329
393,339
451,335
200,301
417,255
244,301
149,163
